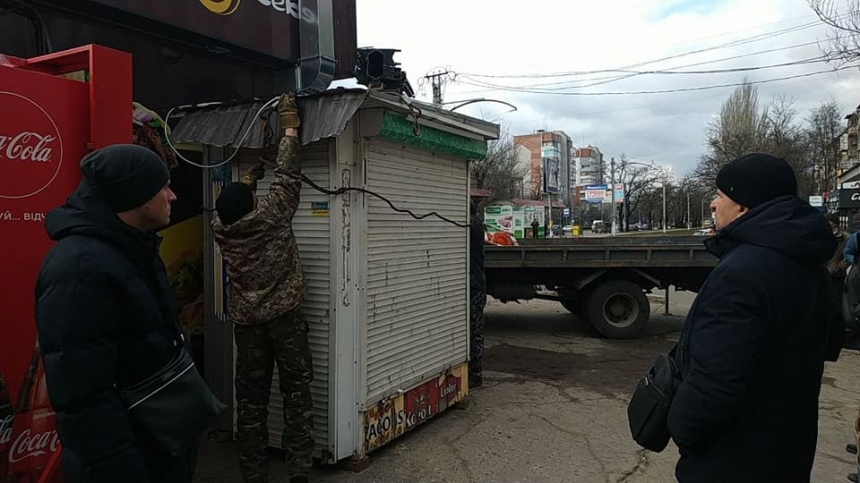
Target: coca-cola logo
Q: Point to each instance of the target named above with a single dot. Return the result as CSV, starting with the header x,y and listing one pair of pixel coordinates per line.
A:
x,y
31,148
29,445
5,430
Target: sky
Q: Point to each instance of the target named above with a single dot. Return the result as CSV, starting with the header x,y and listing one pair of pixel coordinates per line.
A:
x,y
480,40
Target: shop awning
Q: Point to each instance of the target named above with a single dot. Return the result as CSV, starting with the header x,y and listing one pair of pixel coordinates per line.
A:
x,y
223,125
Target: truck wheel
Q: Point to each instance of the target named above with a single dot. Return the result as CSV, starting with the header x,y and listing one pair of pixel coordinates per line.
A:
x,y
618,309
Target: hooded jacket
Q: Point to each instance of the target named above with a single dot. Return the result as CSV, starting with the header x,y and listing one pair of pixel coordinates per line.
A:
x,y
105,316
260,250
753,347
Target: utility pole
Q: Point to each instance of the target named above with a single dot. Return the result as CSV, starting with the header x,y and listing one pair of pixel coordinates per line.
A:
x,y
689,223
664,200
438,80
612,189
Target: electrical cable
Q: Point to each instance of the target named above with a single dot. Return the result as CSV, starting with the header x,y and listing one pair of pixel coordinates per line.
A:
x,y
621,77
340,191
811,60
664,91
304,178
734,43
236,152
42,38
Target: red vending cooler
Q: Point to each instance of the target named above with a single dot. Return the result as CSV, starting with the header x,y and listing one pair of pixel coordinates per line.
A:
x,y
53,110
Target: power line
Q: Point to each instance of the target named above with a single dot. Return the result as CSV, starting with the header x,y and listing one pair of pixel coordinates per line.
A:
x,y
621,77
629,74
734,43
667,91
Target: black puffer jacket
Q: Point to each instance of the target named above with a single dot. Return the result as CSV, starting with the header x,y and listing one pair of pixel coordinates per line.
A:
x,y
754,346
105,316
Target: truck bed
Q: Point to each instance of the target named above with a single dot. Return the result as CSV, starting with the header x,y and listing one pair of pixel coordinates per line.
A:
x,y
595,253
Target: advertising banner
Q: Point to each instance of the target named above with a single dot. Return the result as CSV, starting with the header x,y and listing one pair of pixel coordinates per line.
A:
x,y
40,147
595,193
392,417
45,130
499,218
552,175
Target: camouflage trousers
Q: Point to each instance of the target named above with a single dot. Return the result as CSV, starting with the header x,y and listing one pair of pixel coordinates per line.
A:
x,y
476,336
283,341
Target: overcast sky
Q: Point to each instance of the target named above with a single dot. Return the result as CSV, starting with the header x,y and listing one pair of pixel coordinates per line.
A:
x,y
515,38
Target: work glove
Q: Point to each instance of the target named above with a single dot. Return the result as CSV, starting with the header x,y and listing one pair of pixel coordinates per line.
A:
x,y
288,113
253,175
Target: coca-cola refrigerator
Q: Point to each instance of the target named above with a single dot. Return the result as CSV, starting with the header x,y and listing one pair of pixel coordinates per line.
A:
x,y
55,109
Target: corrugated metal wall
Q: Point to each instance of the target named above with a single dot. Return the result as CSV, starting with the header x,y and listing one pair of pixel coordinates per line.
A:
x,y
417,304
312,234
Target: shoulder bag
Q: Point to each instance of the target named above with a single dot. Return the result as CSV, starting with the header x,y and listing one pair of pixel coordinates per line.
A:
x,y
648,411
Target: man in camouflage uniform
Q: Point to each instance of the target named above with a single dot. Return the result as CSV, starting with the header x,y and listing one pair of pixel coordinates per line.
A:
x,y
266,288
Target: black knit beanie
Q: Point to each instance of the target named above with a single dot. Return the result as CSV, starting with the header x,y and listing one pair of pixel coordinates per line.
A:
x,y
235,201
754,179
125,176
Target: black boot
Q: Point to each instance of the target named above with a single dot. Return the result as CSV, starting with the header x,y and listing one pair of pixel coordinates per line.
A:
x,y
852,477
851,448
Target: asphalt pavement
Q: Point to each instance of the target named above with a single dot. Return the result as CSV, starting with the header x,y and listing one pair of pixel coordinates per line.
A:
x,y
553,409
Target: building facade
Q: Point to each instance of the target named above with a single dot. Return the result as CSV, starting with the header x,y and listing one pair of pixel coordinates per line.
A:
x,y
589,166
547,156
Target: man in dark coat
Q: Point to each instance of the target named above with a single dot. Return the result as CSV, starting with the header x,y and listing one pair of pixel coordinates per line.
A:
x,y
477,299
753,347
105,315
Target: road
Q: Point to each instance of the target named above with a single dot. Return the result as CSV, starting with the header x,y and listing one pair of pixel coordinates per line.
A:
x,y
553,409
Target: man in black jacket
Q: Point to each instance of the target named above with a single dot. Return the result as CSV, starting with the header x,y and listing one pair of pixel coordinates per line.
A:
x,y
753,347
477,298
105,315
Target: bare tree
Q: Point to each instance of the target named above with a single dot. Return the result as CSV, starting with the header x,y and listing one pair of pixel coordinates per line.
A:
x,y
740,129
786,138
824,125
744,126
638,180
500,171
843,40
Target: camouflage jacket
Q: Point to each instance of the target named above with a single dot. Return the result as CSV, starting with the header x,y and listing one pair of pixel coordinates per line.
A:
x,y
260,250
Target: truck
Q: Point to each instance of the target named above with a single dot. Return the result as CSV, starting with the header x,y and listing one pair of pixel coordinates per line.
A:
x,y
604,280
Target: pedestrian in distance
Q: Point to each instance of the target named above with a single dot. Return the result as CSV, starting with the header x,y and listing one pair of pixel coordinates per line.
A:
x,y
752,350
266,289
106,317
837,266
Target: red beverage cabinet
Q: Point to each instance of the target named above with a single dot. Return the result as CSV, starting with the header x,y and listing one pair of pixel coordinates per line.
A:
x,y
53,110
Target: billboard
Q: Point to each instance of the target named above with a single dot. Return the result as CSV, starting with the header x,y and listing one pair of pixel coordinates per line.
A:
x,y
595,193
551,175
619,194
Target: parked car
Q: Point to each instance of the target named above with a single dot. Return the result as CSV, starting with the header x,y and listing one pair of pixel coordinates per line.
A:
x,y
600,227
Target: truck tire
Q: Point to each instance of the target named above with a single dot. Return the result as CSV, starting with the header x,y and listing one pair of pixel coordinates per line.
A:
x,y
618,309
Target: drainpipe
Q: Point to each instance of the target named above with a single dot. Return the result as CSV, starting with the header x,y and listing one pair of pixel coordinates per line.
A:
x,y
316,46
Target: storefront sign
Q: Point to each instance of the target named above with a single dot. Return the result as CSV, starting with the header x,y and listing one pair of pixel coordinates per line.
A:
x,y
391,418
847,199
264,26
